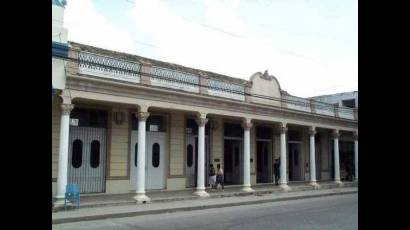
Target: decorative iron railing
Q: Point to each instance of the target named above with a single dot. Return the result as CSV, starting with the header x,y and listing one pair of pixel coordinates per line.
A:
x,y
322,108
174,79
123,70
108,67
226,89
316,107
296,103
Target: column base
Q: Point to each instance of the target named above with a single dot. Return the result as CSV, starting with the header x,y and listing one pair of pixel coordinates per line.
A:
x,y
141,198
201,193
59,202
285,187
315,185
339,183
247,188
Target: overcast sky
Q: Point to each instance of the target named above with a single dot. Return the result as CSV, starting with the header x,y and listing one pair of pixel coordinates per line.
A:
x,y
310,46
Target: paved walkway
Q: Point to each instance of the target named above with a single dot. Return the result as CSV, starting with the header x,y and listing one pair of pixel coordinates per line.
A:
x,y
261,195
88,201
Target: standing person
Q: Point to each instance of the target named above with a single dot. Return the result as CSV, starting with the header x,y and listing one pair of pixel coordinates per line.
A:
x,y
212,176
219,176
276,171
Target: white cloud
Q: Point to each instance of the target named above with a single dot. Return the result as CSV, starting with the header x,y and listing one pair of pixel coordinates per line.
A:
x,y
221,43
86,25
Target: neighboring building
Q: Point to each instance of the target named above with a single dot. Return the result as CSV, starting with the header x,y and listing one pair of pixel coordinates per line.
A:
x,y
124,123
59,45
347,99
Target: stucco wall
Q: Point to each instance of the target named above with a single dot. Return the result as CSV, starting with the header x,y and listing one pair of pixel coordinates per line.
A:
x,y
176,183
55,137
267,86
117,186
176,148
325,156
59,34
217,142
118,160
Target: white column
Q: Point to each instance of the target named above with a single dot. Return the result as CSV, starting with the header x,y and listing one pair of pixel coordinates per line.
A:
x,y
312,163
356,157
247,125
283,177
200,185
63,151
140,196
336,156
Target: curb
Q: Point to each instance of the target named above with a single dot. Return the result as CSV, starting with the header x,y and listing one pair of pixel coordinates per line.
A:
x,y
162,200
193,208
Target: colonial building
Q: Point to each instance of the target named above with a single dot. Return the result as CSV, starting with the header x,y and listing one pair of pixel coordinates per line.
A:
x,y
124,123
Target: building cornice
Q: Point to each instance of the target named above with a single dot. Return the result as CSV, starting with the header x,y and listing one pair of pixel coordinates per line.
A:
x,y
89,84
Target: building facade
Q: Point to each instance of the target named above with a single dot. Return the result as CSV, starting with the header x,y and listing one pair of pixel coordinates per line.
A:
x,y
124,123
345,99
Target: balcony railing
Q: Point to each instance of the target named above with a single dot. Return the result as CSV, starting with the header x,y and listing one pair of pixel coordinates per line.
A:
x,y
296,103
226,89
108,67
347,113
317,107
128,71
174,79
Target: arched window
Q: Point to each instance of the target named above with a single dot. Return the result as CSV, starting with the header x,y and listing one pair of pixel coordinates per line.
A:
x,y
136,154
77,153
155,155
190,155
95,154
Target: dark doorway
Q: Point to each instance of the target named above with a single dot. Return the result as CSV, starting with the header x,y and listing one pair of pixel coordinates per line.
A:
x,y
233,161
346,151
264,161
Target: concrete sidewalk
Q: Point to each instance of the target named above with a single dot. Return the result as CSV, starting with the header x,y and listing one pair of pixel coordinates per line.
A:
x,y
89,201
104,212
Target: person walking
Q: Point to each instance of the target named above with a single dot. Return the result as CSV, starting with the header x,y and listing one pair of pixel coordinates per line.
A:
x,y
276,171
220,177
212,176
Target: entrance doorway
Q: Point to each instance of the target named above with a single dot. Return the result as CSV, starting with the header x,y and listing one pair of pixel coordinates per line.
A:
x,y
192,160
264,154
155,153
264,161
87,150
346,151
296,164
191,165
233,161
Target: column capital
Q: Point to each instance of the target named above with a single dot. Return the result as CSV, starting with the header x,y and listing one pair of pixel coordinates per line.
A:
x,y
247,125
335,133
312,131
66,109
142,116
201,121
355,136
282,128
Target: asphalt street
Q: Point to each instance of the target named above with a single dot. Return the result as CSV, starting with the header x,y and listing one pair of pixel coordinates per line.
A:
x,y
332,212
